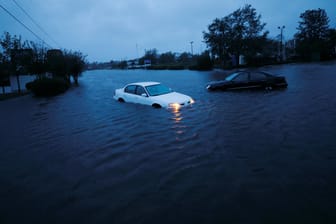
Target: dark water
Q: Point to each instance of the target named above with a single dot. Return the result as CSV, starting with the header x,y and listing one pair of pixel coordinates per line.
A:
x,y
233,157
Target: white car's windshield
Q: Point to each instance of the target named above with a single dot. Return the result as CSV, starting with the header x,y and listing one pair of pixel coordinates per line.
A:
x,y
156,90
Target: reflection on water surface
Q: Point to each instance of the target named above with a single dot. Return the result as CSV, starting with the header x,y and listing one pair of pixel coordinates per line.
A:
x,y
232,157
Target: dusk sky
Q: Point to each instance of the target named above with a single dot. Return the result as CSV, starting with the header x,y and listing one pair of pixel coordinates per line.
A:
x,y
107,30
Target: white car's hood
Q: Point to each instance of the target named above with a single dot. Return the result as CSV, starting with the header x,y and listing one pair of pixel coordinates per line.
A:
x,y
172,97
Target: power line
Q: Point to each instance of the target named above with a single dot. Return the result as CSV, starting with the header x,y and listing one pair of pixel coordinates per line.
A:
x,y
14,17
34,21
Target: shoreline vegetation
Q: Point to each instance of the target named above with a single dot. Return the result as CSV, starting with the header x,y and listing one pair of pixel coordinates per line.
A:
x,y
53,69
238,40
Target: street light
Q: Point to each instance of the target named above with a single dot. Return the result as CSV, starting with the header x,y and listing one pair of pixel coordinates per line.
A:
x,y
281,34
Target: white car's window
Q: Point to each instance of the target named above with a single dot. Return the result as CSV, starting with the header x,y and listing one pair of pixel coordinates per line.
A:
x,y
130,89
140,90
156,90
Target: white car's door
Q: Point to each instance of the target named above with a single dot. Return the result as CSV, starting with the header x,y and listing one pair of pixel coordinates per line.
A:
x,y
141,96
136,94
129,93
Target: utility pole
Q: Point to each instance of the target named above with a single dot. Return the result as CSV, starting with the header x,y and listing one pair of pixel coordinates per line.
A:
x,y
191,45
281,37
137,52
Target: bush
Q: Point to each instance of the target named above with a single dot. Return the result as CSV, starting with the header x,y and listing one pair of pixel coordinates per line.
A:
x,y
204,63
176,67
166,67
47,86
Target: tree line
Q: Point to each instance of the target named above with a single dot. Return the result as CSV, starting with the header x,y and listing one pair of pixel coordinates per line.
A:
x,y
18,57
167,60
242,33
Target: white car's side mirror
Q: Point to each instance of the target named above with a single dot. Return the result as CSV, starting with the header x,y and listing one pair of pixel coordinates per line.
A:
x,y
144,94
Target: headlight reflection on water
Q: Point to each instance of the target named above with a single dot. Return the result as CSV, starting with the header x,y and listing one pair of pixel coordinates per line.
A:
x,y
175,106
176,113
177,116
177,124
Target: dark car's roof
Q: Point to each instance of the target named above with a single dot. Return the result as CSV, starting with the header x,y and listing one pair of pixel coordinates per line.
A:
x,y
223,81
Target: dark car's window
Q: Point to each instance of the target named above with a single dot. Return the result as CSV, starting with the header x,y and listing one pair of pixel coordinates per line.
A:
x,y
231,76
257,76
140,90
242,77
130,89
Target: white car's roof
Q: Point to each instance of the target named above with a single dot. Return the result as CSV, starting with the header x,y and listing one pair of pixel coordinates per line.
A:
x,y
144,83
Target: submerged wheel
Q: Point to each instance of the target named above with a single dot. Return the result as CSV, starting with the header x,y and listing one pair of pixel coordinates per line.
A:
x,y
121,100
155,105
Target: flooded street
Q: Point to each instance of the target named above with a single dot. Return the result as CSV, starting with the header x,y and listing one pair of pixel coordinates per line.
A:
x,y
232,157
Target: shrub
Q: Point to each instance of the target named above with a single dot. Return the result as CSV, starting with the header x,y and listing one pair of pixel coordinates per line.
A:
x,y
47,86
203,63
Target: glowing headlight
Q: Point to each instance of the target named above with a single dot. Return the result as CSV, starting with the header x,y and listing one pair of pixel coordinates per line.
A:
x,y
175,106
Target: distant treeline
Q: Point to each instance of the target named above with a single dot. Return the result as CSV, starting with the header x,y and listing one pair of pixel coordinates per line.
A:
x,y
155,61
19,57
240,39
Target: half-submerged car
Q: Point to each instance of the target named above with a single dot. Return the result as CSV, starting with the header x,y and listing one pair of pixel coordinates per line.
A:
x,y
248,80
152,93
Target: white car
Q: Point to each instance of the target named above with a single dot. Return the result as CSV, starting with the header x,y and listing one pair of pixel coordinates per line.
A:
x,y
152,93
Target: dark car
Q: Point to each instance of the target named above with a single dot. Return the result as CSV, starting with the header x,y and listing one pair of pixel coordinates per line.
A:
x,y
248,80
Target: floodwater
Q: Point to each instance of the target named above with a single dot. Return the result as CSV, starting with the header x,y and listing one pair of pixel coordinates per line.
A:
x,y
233,157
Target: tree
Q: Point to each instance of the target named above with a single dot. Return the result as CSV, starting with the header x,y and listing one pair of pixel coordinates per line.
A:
x,y
56,62
151,55
75,64
204,62
16,56
184,58
39,66
21,60
65,64
217,39
238,33
167,58
4,73
312,35
22,57
332,42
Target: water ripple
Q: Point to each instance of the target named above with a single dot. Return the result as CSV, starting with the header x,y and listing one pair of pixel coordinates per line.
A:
x,y
86,156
